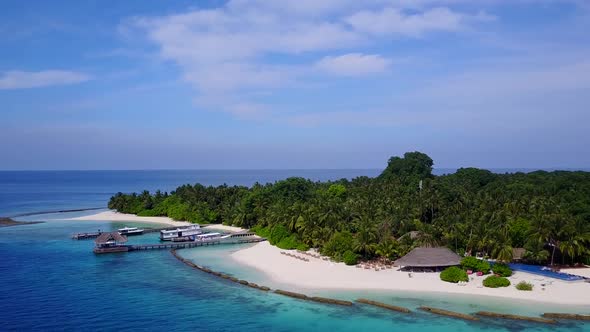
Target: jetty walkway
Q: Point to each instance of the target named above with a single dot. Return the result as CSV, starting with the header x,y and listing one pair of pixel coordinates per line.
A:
x,y
171,245
183,245
94,235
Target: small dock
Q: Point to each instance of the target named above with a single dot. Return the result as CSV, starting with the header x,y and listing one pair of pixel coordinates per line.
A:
x,y
171,245
94,235
182,245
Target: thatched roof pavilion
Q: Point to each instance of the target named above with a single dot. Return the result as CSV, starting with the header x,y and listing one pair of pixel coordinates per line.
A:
x,y
110,242
110,238
518,253
429,258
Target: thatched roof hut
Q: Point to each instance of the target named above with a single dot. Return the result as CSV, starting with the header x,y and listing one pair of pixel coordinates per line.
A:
x,y
110,238
518,253
429,257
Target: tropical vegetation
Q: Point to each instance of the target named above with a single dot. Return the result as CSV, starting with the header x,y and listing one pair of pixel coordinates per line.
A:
x,y
475,265
496,282
502,270
453,274
470,211
524,286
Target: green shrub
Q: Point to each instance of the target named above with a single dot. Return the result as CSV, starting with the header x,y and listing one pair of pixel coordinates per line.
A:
x,y
280,237
350,258
502,270
476,265
147,213
453,274
495,282
277,233
339,243
524,286
261,231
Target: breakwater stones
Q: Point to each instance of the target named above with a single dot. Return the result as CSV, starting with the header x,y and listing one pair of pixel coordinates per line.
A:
x,y
448,313
555,315
548,318
516,317
218,274
292,294
256,286
313,298
330,301
384,305
262,288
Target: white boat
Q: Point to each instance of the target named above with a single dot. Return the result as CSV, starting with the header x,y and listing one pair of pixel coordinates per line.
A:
x,y
242,237
180,232
208,236
130,231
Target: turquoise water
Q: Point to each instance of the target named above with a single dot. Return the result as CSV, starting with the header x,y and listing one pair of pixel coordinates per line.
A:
x,y
49,282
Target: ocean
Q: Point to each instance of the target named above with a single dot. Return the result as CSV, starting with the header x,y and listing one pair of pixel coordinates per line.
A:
x,y
50,282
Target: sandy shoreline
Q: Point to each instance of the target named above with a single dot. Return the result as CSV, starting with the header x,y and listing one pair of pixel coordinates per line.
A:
x,y
124,217
326,275
320,274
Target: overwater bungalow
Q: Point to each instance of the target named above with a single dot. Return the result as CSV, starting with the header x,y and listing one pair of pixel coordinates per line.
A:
x,y
110,242
428,259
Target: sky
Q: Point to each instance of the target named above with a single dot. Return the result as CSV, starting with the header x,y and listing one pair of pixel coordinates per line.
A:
x,y
257,84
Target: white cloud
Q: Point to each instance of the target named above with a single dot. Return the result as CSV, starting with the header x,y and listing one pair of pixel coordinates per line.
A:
x,y
24,80
395,21
299,7
234,48
353,64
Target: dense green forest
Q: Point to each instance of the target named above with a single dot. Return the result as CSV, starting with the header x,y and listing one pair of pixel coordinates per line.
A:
x,y
472,210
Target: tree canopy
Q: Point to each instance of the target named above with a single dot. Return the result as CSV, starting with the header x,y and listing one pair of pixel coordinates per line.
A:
x,y
472,210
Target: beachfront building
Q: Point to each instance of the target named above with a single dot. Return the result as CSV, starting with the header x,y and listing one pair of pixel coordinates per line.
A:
x,y
518,254
428,259
110,242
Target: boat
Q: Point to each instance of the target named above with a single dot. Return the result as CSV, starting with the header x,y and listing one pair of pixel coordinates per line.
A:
x,y
204,237
180,232
130,231
241,237
208,236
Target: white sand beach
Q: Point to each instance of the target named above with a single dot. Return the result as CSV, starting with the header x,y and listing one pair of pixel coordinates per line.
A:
x,y
124,217
320,274
583,272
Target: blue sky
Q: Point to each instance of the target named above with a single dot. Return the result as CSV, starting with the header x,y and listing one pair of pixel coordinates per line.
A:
x,y
293,84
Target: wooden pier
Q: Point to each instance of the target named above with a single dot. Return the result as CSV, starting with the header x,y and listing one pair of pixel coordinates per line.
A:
x,y
175,245
94,235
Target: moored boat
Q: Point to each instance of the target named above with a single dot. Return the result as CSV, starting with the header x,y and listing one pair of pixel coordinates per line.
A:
x,y
127,231
180,232
241,237
208,237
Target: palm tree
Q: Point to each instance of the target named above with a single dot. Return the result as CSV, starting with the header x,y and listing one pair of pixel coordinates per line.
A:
x,y
387,249
574,236
544,225
365,236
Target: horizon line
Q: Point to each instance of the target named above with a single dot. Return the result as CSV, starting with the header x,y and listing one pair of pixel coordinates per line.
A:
x,y
555,168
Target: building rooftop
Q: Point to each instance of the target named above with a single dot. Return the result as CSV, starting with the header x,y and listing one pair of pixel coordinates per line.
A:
x,y
111,236
429,257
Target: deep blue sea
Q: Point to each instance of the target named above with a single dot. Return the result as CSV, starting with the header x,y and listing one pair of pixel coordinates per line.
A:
x,y
50,282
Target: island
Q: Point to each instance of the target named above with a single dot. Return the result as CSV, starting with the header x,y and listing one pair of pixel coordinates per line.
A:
x,y
476,222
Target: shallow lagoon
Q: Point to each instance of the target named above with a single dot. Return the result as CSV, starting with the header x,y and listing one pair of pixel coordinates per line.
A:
x,y
50,282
